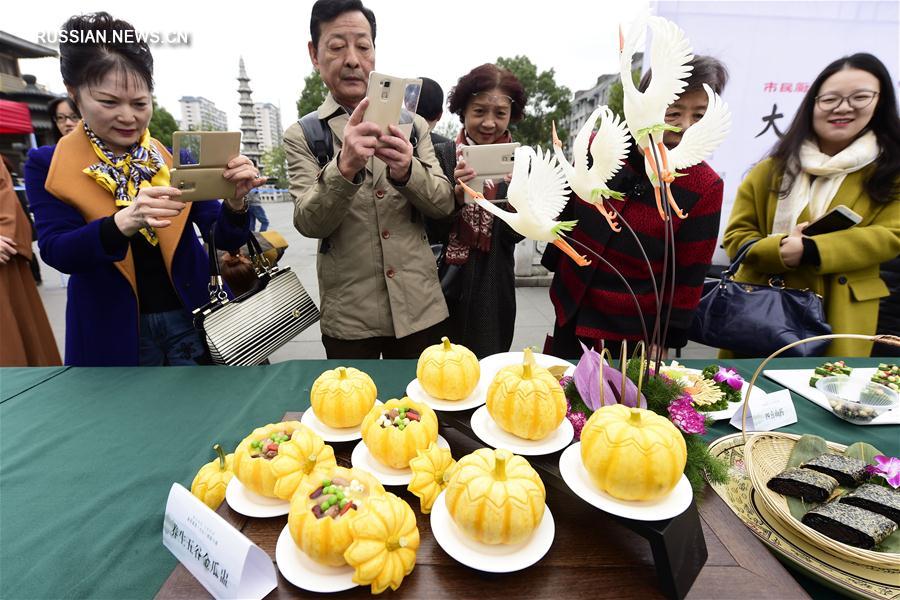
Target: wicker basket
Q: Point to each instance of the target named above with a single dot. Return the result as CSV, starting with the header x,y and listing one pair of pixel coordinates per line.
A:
x,y
765,456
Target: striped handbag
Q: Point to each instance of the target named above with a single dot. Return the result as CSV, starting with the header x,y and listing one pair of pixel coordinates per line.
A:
x,y
246,330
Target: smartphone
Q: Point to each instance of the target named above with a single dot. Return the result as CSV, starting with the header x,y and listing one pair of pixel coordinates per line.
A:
x,y
392,101
837,219
490,161
199,160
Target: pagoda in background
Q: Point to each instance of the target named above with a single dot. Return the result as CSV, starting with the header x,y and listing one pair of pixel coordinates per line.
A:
x,y
249,139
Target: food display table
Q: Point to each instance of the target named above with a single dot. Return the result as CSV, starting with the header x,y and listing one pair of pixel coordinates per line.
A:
x,y
87,457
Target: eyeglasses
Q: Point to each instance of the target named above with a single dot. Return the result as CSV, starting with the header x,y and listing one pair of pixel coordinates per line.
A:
x,y
63,118
857,100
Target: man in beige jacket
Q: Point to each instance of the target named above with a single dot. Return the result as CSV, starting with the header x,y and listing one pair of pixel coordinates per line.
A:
x,y
379,290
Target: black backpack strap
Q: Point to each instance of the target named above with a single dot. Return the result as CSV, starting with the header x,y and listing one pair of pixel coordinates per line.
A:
x,y
414,139
318,137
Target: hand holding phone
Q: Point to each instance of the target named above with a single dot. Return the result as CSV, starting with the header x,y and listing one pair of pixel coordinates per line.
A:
x,y
360,140
490,162
392,101
837,219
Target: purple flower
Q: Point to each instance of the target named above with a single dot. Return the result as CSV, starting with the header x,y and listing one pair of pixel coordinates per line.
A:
x,y
587,381
577,420
888,468
683,414
729,376
565,381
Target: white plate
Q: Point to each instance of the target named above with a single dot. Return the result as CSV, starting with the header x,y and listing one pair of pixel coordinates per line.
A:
x,y
491,365
501,558
576,477
487,430
305,573
251,504
330,434
361,458
417,393
797,380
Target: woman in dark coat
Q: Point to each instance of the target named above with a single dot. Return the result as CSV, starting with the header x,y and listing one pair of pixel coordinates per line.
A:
x,y
477,270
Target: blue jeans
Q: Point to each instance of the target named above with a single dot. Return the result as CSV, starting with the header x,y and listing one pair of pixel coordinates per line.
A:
x,y
169,338
257,213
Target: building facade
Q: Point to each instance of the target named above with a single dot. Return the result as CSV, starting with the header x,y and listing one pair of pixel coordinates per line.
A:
x,y
585,101
200,114
268,125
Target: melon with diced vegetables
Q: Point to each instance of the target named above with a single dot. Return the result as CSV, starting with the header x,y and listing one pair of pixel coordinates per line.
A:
x,y
396,430
274,459
322,509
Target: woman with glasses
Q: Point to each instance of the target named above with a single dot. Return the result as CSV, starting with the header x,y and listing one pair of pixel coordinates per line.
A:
x,y
477,266
65,114
843,148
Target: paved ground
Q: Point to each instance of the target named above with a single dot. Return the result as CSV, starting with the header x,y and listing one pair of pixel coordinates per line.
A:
x,y
534,313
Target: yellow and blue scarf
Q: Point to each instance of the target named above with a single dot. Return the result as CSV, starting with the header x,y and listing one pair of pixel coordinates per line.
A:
x,y
123,176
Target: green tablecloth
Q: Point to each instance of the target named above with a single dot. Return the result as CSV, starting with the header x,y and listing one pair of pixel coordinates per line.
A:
x,y
87,457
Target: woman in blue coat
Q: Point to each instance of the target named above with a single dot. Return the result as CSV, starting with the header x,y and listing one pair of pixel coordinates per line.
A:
x,y
106,214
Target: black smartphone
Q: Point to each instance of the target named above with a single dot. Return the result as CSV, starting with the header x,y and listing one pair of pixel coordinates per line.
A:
x,y
837,219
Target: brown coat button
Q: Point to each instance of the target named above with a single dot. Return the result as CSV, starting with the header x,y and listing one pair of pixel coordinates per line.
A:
x,y
390,273
386,234
842,280
379,193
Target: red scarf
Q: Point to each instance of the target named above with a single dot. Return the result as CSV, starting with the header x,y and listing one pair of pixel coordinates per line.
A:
x,y
473,225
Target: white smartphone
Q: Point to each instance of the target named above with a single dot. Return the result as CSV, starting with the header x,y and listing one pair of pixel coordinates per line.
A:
x,y
490,161
837,219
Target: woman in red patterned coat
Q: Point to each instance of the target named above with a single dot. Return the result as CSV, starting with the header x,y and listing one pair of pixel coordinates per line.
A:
x,y
592,303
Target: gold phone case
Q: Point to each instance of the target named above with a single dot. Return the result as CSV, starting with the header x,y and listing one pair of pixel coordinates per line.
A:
x,y
392,101
208,153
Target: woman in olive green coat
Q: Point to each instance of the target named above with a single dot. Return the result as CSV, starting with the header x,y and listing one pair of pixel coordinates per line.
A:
x,y
843,147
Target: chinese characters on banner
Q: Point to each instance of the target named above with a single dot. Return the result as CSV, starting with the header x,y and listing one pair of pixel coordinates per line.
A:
x,y
800,87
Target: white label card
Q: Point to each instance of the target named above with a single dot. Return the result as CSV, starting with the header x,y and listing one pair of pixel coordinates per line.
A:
x,y
223,559
768,412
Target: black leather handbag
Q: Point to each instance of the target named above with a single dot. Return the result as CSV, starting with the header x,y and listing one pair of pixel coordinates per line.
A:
x,y
756,320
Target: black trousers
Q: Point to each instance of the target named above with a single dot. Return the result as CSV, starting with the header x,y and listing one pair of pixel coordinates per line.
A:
x,y
410,346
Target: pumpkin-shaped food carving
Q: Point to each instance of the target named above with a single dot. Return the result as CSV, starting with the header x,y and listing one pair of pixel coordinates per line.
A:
x,y
495,497
632,453
273,460
212,479
385,541
526,400
448,371
322,509
397,429
432,469
341,397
